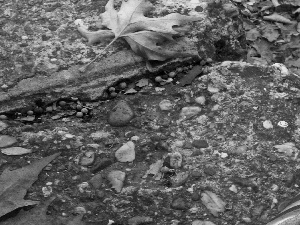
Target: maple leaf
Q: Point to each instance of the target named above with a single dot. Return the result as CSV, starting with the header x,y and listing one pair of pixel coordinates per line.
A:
x,y
145,35
14,185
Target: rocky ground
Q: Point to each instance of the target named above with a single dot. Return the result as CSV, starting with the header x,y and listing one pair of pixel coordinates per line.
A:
x,y
218,142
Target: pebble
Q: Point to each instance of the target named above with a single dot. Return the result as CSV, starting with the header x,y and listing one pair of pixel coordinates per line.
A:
x,y
3,126
195,196
189,111
137,220
200,100
180,179
267,124
209,170
212,89
116,179
126,153
200,143
179,203
196,174
121,114
175,160
96,180
233,188
202,119
202,222
6,140
88,158
99,135
165,105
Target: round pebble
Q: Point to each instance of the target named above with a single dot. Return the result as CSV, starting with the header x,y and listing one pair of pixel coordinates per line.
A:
x,y
158,79
49,109
3,117
84,110
30,112
200,100
123,85
113,94
79,107
172,74
111,89
79,114
62,103
165,105
120,114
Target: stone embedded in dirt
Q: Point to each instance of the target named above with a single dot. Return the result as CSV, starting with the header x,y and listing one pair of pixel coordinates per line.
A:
x,y
116,179
213,203
15,151
200,143
233,188
179,179
6,140
175,160
87,159
267,124
213,89
121,114
138,220
202,222
96,181
200,100
179,203
101,164
99,135
189,111
3,126
209,170
165,105
195,196
126,153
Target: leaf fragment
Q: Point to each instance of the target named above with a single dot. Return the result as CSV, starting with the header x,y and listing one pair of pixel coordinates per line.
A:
x,y
14,184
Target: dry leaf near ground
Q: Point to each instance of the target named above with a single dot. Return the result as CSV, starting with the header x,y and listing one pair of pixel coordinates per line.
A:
x,y
14,184
146,36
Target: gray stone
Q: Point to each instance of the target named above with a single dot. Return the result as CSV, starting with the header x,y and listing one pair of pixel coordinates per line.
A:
x,y
120,114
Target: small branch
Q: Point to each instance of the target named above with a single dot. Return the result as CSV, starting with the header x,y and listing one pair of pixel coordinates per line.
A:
x,y
84,68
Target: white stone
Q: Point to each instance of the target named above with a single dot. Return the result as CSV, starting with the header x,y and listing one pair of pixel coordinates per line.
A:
x,y
189,111
165,105
200,100
267,124
126,153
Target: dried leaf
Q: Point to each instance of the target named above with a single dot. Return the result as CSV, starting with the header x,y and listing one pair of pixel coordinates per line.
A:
x,y
213,203
263,48
16,151
252,34
145,35
14,185
270,33
275,17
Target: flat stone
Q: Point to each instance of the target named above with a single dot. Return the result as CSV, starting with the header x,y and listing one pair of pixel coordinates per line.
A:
x,y
121,114
6,140
126,153
200,144
96,180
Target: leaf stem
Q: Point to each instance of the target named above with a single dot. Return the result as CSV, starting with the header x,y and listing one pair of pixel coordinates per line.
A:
x,y
84,68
